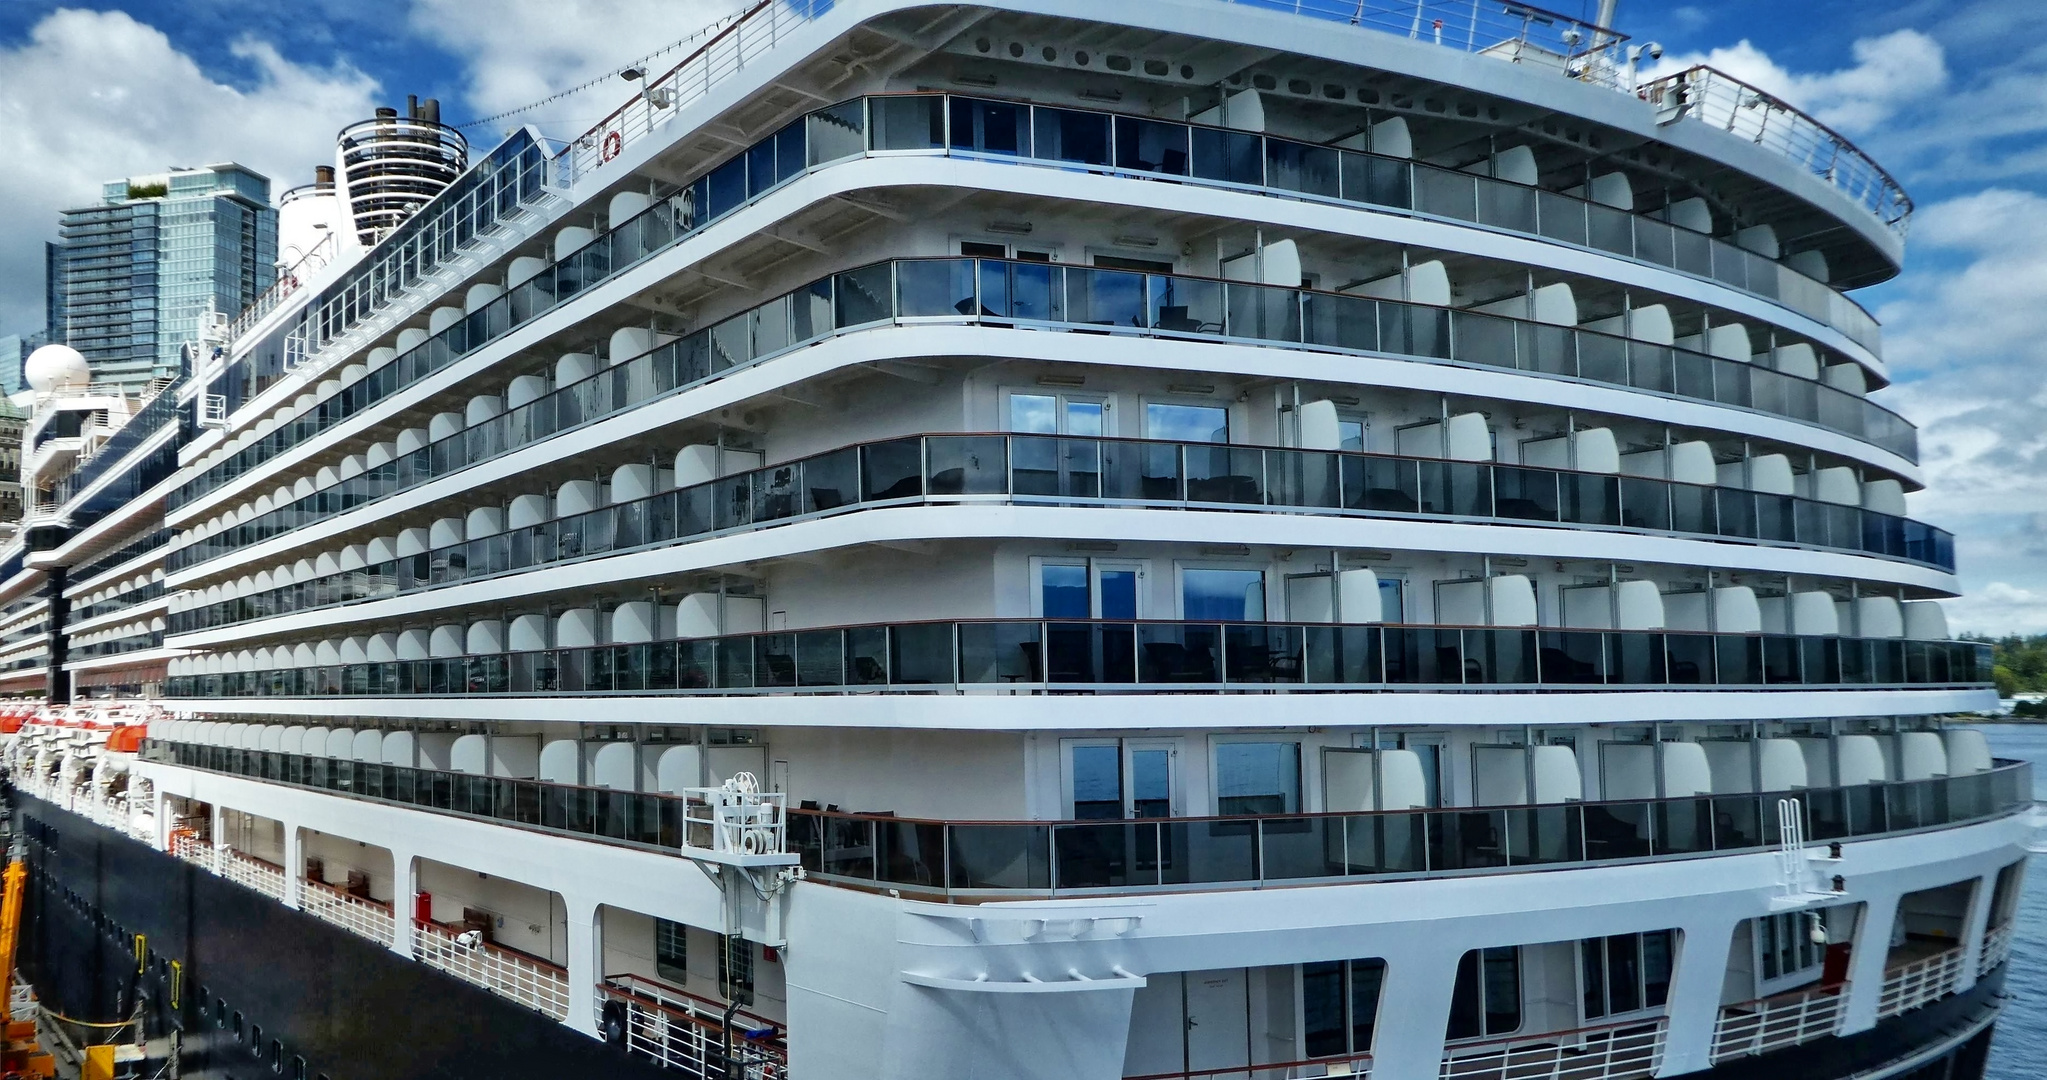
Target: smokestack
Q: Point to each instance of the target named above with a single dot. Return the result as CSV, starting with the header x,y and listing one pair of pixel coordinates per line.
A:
x,y
412,106
385,112
432,110
323,175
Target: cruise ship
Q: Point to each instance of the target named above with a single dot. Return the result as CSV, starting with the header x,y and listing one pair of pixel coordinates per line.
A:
x,y
1196,541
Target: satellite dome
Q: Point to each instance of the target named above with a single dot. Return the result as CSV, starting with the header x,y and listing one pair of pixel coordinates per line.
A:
x,y
56,367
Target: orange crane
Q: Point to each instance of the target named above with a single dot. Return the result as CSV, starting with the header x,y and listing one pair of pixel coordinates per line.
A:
x,y
24,1056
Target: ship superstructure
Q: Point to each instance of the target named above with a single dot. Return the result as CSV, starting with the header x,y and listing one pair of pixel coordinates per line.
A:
x,y
1177,540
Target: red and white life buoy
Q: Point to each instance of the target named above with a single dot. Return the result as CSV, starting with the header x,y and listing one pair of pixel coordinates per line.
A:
x,y
613,143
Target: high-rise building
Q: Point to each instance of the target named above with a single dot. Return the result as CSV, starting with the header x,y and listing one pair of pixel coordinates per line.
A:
x,y
12,420
130,279
14,348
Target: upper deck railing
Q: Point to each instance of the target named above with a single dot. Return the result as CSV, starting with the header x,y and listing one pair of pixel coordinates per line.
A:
x,y
1712,96
1007,859
1517,33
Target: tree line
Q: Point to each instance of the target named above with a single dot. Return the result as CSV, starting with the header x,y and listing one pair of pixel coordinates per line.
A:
x,y
2020,663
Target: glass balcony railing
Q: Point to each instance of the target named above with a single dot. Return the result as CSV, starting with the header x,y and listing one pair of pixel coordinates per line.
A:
x,y
143,595
1096,142
998,293
137,643
1065,471
935,857
1032,655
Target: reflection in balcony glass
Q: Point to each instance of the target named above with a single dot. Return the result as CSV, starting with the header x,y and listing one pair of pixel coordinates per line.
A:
x,y
1257,777
1222,595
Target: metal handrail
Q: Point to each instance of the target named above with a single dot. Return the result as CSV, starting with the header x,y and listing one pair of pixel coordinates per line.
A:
x,y
1602,1052
1012,858
528,980
1286,480
1929,978
1781,1020
1708,95
372,919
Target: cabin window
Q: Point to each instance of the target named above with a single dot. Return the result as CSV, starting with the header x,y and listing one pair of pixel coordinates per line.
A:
x,y
1257,777
1339,1004
671,951
1626,972
1487,998
1784,946
735,970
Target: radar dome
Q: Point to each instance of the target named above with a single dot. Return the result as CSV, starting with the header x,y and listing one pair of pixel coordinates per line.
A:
x,y
56,367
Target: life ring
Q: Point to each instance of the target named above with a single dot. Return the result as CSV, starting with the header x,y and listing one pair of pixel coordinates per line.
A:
x,y
613,143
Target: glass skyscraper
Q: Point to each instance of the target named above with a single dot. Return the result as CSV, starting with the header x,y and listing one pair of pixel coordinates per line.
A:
x,y
130,279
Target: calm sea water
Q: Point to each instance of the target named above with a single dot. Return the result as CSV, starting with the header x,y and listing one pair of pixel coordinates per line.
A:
x,y
2019,1051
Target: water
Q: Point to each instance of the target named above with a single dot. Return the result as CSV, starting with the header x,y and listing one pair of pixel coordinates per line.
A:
x,y
2019,1050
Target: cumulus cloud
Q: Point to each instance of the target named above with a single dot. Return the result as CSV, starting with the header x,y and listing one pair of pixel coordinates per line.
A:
x,y
1889,73
519,51
96,96
1999,608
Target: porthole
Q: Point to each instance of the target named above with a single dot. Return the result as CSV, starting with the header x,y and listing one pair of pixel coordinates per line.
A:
x,y
1156,68
1332,91
255,1040
1186,71
1264,82
1116,63
1016,49
1050,54
1080,57
276,1057
983,44
240,1035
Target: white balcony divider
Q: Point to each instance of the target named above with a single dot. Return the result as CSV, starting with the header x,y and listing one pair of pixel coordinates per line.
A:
x,y
1929,978
1773,1023
1604,1052
533,983
369,918
682,1031
1996,947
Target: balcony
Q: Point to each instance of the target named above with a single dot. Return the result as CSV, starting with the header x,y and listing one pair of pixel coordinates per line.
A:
x,y
1000,294
1102,657
1605,1052
1292,170
359,915
1041,470
1801,1016
536,984
683,1031
244,870
1010,860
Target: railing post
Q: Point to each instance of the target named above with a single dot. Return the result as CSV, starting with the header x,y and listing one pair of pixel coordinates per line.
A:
x,y
1695,989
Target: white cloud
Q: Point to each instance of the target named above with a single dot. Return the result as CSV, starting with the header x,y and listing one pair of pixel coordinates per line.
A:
x,y
96,96
519,51
1968,331
1889,73
1999,608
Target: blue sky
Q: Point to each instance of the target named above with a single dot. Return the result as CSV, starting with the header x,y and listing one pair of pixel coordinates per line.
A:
x,y
1950,95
